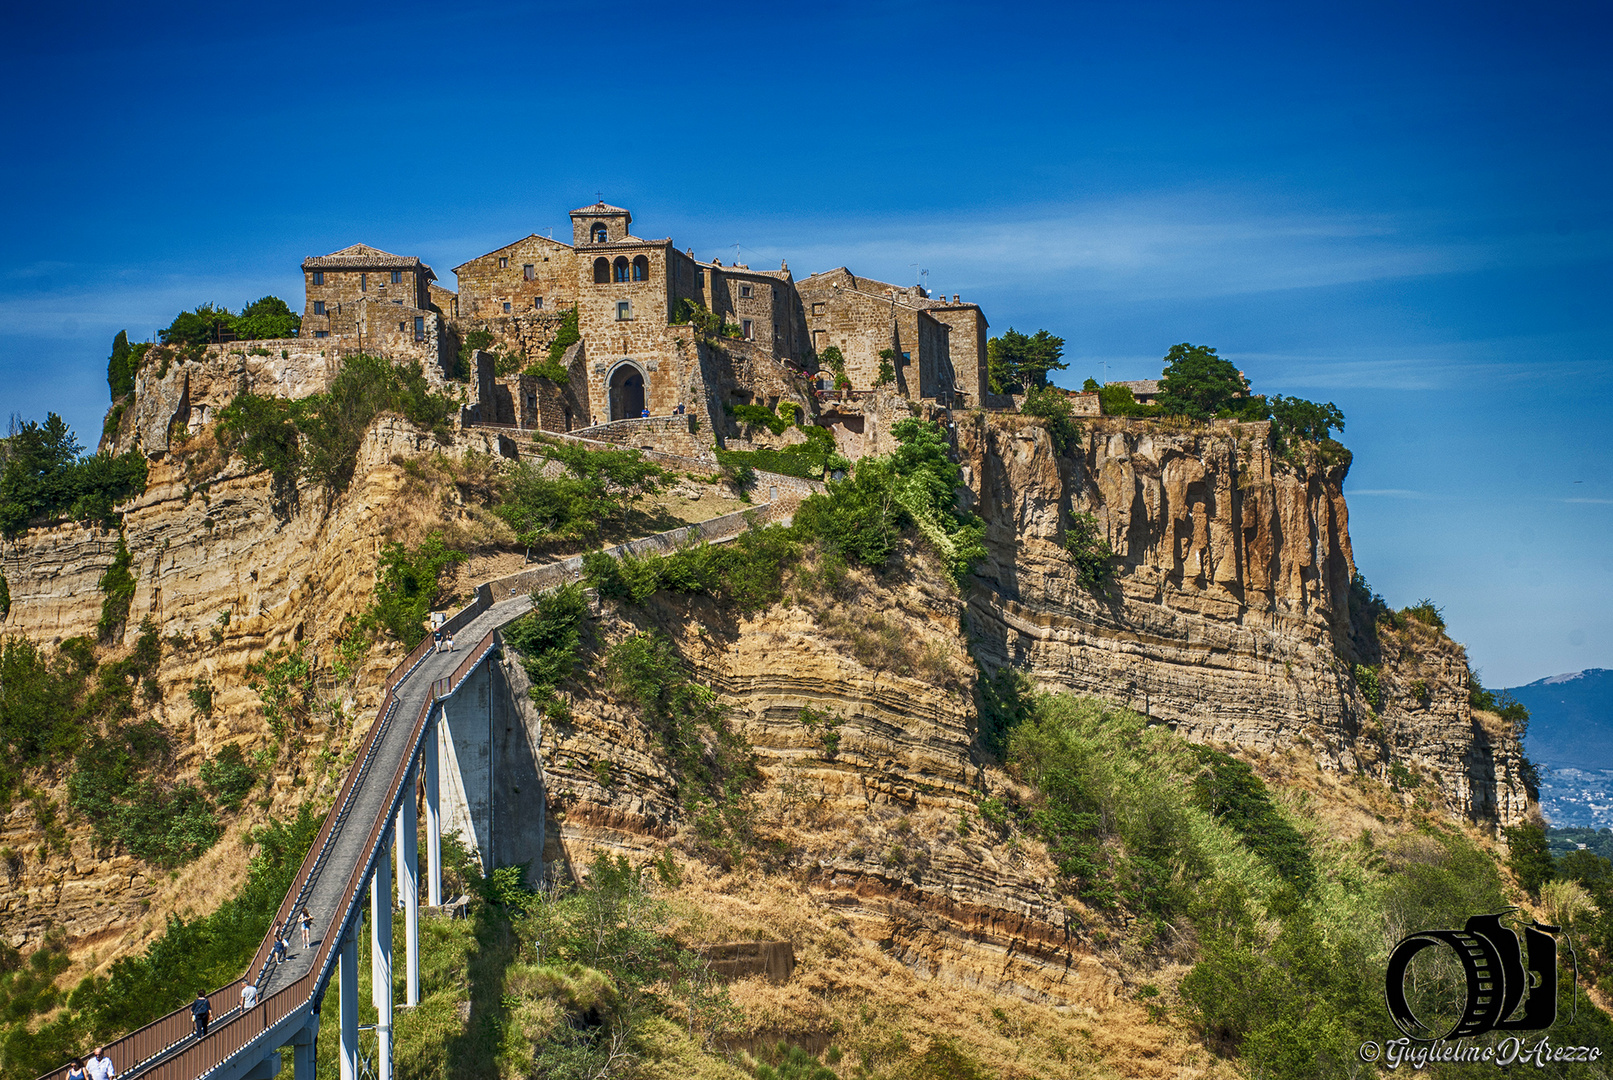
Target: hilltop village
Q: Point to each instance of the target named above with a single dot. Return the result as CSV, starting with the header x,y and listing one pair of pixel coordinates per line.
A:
x,y
647,331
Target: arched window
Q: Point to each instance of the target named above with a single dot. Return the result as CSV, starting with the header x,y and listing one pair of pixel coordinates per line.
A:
x,y
621,268
601,271
599,232
641,269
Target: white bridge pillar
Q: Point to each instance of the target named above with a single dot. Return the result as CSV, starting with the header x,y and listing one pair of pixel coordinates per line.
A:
x,y
407,832
428,765
347,980
381,958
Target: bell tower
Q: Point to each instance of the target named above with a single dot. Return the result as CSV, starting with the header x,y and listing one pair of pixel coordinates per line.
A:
x,y
600,223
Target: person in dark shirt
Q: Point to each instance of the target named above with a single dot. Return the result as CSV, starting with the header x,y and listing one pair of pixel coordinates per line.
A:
x,y
201,1010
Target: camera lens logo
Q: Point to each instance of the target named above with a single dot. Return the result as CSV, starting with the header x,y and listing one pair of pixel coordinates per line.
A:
x,y
1496,974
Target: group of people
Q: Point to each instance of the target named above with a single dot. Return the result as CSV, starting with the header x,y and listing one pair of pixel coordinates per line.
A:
x,y
95,1067
201,1010
442,642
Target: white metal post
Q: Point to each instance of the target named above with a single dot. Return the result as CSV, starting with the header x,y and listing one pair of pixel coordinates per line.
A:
x,y
348,979
408,841
381,961
433,814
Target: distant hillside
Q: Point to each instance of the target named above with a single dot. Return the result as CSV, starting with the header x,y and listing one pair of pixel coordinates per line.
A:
x,y
1571,719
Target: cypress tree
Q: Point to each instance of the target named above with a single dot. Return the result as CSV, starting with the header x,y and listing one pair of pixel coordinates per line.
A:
x,y
119,373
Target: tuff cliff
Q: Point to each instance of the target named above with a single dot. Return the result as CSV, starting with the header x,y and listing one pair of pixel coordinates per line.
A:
x,y
1229,617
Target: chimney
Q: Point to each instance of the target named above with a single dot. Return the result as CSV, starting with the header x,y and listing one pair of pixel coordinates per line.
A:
x,y
954,298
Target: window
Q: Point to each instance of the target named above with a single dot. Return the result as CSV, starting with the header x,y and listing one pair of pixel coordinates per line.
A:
x,y
401,327
601,271
599,232
817,307
319,307
744,292
321,333
528,272
700,279
746,331
506,307
624,310
397,277
420,328
364,283
319,277
907,358
503,262
620,268
641,268
817,340
537,302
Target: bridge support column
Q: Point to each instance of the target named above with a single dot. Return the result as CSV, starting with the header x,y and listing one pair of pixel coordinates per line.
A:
x,y
303,1044
408,842
381,961
348,980
428,765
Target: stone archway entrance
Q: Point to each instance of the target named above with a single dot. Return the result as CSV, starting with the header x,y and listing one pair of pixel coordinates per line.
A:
x,y
626,392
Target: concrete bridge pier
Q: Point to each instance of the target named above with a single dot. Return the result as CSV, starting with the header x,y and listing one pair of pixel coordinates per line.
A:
x,y
408,846
428,767
347,980
303,1044
381,959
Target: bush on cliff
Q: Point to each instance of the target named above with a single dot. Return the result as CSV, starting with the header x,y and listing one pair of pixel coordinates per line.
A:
x,y
1019,362
596,491
318,437
45,477
264,318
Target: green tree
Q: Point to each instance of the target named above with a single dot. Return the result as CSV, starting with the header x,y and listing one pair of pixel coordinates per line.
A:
x,y
268,317
1197,383
206,324
119,370
1017,362
1529,857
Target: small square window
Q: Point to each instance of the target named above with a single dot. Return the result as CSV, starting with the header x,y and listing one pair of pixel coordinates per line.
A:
x,y
528,272
397,277
817,307
319,307
624,310
506,307
420,328
319,277
907,357
745,292
537,302
746,330
503,262
401,327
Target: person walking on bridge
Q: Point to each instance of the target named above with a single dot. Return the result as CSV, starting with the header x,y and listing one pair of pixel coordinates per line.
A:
x,y
201,1010
249,996
306,921
99,1066
75,1070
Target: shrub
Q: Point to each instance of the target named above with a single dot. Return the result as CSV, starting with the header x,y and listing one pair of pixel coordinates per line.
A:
x,y
597,490
550,639
1529,857
44,477
1426,612
5,597
406,586
268,317
227,777
1090,550
1366,678
553,367
117,588
1053,407
1020,362
283,679
39,714
1229,789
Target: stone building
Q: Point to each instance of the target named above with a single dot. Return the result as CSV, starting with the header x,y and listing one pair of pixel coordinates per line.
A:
x,y
634,301
937,348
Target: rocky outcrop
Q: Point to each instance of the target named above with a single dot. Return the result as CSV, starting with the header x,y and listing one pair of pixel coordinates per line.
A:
x,y
1229,614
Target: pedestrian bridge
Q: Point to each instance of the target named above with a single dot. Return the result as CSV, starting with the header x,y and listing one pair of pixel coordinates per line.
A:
x,y
435,726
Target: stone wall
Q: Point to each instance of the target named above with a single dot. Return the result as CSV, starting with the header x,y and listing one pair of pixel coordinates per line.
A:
x,y
500,284
966,349
342,289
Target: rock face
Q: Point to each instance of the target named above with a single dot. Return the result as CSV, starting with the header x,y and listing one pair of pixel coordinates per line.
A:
x,y
861,717
1229,617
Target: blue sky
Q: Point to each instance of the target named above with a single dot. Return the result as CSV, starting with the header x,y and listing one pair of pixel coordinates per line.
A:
x,y
1401,208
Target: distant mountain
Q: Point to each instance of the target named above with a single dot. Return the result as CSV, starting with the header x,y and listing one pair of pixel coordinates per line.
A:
x,y
1571,740
1570,719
